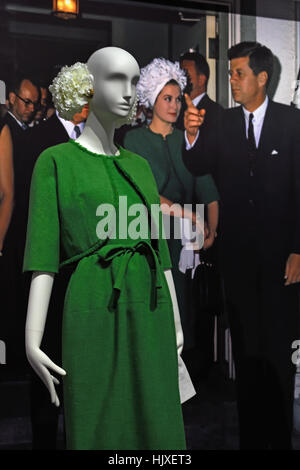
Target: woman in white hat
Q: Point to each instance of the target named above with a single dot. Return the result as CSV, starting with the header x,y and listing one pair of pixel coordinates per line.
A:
x,y
160,88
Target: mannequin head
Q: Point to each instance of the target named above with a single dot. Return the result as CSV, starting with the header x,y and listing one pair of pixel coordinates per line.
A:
x,y
116,73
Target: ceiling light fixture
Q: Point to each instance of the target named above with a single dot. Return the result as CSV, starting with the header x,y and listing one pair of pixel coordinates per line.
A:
x,y
66,9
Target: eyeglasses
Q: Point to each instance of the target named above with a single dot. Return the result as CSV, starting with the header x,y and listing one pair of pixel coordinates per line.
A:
x,y
28,102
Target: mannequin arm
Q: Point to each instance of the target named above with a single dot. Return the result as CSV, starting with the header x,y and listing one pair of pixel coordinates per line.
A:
x,y
186,387
39,297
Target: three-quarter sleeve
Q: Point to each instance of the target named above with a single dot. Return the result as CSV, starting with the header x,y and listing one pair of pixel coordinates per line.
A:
x,y
42,250
206,190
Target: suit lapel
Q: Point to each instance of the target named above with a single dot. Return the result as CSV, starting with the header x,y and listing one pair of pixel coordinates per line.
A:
x,y
59,130
204,102
239,129
242,123
15,129
269,130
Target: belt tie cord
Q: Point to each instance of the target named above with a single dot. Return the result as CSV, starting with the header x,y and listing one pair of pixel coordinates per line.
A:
x,y
108,252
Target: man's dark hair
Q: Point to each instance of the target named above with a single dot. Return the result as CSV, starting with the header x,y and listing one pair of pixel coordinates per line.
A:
x,y
172,82
15,84
201,65
261,58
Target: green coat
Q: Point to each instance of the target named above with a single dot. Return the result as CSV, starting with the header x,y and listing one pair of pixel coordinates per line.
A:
x,y
119,346
164,156
176,183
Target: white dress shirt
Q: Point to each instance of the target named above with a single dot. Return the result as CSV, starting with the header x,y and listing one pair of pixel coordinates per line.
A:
x,y
69,126
198,98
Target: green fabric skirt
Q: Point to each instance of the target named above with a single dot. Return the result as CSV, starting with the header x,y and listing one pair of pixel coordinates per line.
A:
x,y
119,351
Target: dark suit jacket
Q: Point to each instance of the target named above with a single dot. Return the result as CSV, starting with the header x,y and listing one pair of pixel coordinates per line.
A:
x,y
27,145
15,130
47,134
263,209
23,161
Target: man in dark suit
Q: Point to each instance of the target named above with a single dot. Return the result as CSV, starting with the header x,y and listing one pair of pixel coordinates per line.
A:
x,y
57,130
198,72
23,99
256,151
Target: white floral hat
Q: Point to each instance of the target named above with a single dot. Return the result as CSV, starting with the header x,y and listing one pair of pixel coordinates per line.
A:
x,y
155,76
71,89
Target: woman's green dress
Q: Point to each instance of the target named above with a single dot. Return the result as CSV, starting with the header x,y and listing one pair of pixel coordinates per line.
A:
x,y
119,347
177,184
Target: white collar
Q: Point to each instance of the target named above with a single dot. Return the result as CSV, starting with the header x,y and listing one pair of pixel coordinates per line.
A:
x,y
259,113
19,122
68,125
198,98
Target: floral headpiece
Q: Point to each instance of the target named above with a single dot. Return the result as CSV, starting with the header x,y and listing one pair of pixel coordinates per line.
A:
x,y
155,76
71,89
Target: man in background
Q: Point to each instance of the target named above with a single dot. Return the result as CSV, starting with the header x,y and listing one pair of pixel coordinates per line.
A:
x,y
57,130
198,72
23,100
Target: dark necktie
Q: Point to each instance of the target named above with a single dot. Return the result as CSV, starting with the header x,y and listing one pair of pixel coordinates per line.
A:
x,y
77,131
251,144
251,138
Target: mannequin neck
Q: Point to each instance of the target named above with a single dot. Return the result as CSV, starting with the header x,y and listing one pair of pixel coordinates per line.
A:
x,y
98,137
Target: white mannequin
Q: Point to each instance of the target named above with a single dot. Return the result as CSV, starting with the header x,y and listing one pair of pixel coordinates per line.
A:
x,y
115,74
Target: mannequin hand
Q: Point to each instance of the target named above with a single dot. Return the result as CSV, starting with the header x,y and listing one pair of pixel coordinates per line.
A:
x,y
40,362
193,119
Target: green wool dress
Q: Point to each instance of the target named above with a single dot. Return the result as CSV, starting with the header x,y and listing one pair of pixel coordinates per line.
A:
x,y
119,346
164,156
177,184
